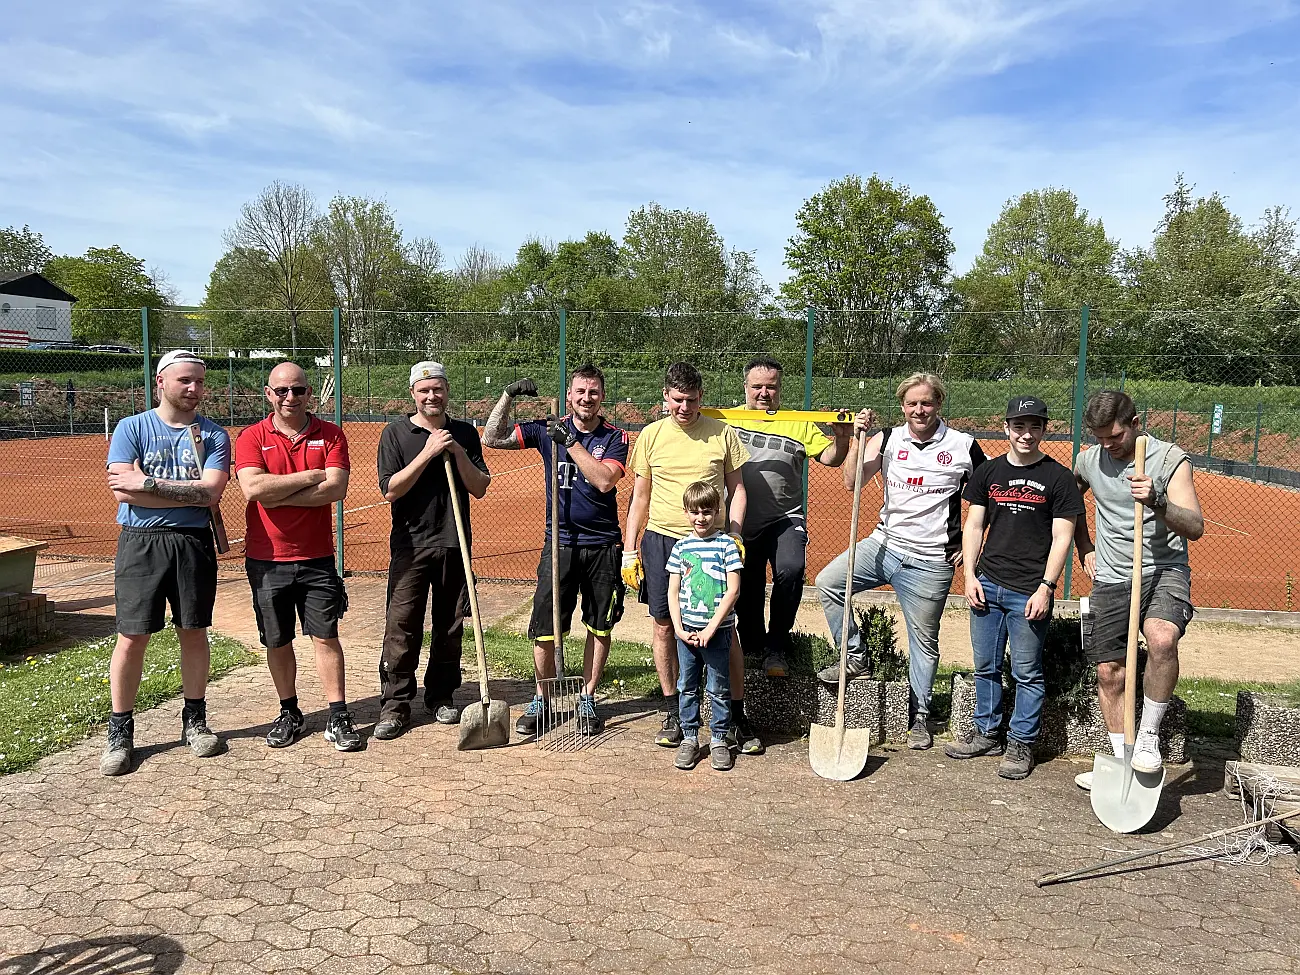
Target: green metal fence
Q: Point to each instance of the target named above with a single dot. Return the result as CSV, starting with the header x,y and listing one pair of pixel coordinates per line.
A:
x,y
1236,413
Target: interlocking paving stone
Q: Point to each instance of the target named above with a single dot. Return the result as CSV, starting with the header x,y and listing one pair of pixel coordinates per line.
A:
x,y
413,857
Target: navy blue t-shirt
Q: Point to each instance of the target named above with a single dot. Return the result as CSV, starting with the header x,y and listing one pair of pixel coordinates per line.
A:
x,y
584,511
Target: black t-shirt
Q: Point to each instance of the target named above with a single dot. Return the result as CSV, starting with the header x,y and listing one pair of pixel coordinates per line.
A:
x,y
1021,503
423,516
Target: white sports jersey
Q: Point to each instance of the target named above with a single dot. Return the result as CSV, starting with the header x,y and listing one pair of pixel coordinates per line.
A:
x,y
921,514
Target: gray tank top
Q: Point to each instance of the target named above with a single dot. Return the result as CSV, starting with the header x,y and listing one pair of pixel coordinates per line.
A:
x,y
1108,480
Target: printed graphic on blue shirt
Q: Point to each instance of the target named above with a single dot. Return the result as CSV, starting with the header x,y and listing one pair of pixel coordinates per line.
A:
x,y
587,516
165,452
703,564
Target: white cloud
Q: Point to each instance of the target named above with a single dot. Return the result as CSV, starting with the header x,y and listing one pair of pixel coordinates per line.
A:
x,y
150,124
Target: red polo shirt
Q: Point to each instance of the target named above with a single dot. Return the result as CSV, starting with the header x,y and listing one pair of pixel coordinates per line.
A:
x,y
290,533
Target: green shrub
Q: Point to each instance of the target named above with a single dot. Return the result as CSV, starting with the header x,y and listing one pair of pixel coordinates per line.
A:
x,y
885,661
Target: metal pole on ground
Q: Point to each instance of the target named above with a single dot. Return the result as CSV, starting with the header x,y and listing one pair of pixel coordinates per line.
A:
x,y
148,366
1254,459
338,419
809,335
1076,422
563,366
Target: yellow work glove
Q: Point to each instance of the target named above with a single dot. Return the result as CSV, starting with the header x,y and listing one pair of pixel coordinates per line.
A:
x,y
739,544
632,572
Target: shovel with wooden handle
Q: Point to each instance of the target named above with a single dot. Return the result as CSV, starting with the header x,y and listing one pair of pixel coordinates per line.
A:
x,y
837,752
485,723
1123,798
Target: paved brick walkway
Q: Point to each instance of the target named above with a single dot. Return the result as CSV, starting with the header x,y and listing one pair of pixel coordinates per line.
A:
x,y
413,857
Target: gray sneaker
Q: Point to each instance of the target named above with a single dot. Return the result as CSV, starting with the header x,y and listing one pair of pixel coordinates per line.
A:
x,y
857,668
196,733
120,748
977,746
688,753
919,736
1019,761
720,756
446,713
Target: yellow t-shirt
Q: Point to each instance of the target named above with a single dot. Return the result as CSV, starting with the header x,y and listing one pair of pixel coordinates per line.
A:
x,y
673,457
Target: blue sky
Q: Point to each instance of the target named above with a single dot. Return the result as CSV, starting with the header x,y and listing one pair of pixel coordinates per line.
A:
x,y
488,121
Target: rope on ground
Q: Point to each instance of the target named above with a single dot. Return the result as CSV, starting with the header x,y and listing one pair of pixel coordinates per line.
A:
x,y
1258,796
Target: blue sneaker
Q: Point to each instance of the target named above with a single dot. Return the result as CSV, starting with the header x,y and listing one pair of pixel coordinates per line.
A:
x,y
527,723
588,721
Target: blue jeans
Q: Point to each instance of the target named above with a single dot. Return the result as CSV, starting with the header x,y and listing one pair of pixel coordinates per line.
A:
x,y
691,663
922,589
1002,621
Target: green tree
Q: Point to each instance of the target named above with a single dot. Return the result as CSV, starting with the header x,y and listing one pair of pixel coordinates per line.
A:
x,y
1043,258
239,302
1211,300
361,248
876,256
279,225
23,251
107,278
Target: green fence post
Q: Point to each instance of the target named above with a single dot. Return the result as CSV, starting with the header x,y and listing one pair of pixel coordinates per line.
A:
x,y
1254,460
148,367
1173,434
809,333
230,383
563,366
338,419
1076,422
464,390
1209,445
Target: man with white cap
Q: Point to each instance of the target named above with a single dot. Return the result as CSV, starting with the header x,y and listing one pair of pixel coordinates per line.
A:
x,y
166,555
424,549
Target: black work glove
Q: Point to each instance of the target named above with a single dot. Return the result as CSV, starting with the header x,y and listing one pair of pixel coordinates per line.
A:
x,y
522,387
559,431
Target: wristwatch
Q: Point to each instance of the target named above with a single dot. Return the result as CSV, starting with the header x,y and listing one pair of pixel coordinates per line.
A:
x,y
150,485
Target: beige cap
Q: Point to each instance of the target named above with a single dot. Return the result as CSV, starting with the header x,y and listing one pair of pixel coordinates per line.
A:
x,y
427,370
177,356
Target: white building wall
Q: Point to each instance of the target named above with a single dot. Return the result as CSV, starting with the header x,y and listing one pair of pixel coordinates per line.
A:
x,y
39,319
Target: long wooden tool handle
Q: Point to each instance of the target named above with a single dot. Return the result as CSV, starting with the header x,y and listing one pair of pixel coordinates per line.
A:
x,y
1134,604
848,583
469,581
216,523
555,560
1056,878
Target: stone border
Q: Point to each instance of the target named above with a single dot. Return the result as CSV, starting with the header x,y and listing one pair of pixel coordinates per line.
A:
x,y
789,705
1063,733
1268,732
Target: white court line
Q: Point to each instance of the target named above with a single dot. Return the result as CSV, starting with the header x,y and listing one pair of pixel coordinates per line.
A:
x,y
1229,527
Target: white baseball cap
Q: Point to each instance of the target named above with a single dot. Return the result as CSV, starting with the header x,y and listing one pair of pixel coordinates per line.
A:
x,y
427,370
178,356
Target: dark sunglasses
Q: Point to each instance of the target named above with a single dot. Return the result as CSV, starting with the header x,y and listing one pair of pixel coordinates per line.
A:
x,y
283,391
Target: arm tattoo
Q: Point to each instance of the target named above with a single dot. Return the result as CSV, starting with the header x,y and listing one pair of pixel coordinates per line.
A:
x,y
495,433
186,492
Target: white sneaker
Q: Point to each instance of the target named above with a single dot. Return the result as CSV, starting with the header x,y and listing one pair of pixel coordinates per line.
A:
x,y
1146,753
1084,781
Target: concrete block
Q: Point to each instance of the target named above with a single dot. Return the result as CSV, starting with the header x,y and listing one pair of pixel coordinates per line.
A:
x,y
1268,729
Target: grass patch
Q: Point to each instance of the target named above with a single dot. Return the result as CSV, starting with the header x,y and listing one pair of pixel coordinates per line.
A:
x,y
52,700
630,671
1212,703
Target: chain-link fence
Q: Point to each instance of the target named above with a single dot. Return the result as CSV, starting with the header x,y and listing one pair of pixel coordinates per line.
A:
x,y
1236,413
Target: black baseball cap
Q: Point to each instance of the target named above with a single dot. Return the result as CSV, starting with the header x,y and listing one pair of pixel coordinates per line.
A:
x,y
1022,406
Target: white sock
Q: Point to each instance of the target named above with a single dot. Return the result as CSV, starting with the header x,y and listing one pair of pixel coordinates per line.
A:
x,y
1153,712
1117,743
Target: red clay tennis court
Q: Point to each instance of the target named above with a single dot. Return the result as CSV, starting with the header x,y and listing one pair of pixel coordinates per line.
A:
x,y
54,490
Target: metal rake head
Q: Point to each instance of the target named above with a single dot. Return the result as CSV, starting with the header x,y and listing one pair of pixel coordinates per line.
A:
x,y
557,725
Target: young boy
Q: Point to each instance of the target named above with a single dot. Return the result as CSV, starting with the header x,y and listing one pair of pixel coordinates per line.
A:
x,y
703,584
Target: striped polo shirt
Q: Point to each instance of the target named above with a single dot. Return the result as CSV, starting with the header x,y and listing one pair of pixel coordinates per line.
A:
x,y
921,513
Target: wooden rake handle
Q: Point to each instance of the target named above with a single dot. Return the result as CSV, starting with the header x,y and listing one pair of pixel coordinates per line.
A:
x,y
1134,603
469,581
